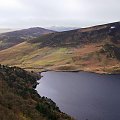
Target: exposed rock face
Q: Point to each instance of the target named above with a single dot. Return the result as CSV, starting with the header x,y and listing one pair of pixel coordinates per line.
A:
x,y
111,51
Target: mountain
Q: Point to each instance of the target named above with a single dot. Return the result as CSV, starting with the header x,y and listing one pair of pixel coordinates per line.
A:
x,y
74,38
15,37
60,29
93,49
20,101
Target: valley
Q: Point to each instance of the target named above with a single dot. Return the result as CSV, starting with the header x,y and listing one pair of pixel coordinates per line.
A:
x,y
94,49
59,60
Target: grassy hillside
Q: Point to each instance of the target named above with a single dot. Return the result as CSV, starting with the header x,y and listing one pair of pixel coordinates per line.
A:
x,y
19,100
15,37
94,49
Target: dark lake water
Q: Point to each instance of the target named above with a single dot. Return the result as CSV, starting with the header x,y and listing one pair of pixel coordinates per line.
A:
x,y
83,95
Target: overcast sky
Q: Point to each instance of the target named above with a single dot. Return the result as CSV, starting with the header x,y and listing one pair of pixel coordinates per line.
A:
x,y
45,13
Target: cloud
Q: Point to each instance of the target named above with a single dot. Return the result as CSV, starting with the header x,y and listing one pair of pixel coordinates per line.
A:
x,y
79,13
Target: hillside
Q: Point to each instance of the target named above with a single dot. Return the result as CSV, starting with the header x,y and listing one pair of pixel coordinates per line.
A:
x,y
94,49
15,37
19,100
74,38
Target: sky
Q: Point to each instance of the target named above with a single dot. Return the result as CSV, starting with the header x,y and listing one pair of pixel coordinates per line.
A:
x,y
68,13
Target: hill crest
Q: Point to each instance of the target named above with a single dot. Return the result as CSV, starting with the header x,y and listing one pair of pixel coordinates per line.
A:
x,y
95,34
15,37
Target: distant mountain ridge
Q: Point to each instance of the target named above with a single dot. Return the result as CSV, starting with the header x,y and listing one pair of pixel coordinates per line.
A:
x,y
12,38
81,36
61,28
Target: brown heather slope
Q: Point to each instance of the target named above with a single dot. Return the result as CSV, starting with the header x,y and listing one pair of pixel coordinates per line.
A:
x,y
94,49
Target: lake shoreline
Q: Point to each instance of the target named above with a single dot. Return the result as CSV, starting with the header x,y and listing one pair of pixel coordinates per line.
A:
x,y
88,87
39,70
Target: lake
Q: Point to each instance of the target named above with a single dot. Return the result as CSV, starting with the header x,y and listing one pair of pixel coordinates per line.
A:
x,y
83,95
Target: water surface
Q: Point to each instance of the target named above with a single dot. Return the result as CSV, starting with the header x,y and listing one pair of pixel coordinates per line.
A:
x,y
83,95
